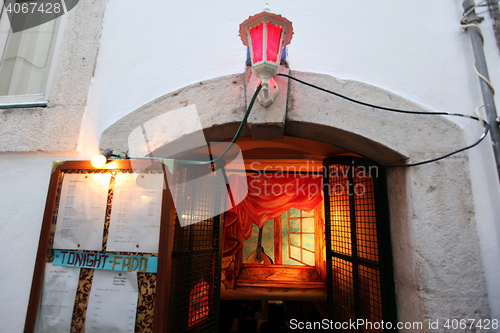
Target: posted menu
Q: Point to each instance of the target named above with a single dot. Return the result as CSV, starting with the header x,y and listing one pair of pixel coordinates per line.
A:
x,y
58,298
136,213
112,302
82,210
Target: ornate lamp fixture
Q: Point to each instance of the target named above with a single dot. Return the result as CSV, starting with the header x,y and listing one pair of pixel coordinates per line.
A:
x,y
266,34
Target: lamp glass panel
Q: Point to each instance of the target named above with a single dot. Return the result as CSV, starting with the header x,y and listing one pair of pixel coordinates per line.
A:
x,y
257,36
273,41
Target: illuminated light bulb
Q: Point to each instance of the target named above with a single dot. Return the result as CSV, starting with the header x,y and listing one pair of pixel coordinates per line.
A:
x,y
98,161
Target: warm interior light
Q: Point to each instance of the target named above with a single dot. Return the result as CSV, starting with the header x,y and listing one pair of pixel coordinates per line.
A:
x,y
112,165
98,161
257,43
273,42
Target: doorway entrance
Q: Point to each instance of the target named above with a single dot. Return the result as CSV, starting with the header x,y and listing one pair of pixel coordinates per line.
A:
x,y
425,224
324,255
309,238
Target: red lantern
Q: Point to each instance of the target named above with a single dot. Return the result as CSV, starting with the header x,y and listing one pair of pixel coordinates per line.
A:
x,y
266,34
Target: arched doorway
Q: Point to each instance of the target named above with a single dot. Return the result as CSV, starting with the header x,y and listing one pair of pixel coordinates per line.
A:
x,y
424,224
329,253
329,261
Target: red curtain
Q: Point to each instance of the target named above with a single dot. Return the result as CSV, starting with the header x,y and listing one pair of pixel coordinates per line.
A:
x,y
268,196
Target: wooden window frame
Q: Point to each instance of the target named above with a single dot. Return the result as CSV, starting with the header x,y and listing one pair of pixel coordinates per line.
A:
x,y
301,233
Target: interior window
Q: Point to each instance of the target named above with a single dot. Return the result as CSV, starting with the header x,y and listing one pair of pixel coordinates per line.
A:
x,y
286,240
300,227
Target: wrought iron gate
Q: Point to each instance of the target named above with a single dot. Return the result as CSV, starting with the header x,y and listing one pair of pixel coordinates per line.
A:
x,y
358,253
193,303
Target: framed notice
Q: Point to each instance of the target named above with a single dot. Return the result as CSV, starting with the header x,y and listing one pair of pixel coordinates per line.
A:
x,y
82,210
135,217
98,256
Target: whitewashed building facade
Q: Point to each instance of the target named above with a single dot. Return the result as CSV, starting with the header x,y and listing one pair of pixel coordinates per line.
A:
x,y
116,64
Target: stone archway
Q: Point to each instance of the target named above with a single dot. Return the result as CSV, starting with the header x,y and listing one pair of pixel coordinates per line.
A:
x,y
437,265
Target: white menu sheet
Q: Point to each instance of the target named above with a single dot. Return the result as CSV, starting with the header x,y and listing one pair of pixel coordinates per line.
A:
x,y
82,210
136,213
112,302
58,298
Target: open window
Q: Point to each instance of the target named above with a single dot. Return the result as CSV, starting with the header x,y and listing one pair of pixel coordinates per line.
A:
x,y
290,256
288,239
300,237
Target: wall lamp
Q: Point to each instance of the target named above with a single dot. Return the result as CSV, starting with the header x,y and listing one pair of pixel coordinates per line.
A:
x,y
98,161
266,34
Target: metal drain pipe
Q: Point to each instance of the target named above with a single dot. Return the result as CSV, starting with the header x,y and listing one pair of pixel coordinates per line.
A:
x,y
472,19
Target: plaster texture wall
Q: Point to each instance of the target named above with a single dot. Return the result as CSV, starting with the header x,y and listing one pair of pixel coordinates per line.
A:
x,y
57,126
25,181
435,244
30,140
416,49
149,58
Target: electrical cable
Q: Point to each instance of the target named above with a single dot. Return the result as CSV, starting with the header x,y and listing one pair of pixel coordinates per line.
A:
x,y
485,124
236,136
468,11
250,106
441,113
482,77
479,114
464,24
233,141
486,130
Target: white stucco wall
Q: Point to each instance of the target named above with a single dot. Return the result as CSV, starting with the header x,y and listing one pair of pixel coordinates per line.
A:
x,y
25,181
415,49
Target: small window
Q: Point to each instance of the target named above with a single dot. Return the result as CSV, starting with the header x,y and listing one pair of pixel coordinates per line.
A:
x,y
300,237
26,59
292,243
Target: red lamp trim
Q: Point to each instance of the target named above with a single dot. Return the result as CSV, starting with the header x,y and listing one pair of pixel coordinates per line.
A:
x,y
266,34
265,16
256,33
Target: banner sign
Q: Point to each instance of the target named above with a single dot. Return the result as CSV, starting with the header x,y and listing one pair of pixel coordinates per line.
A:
x,y
114,262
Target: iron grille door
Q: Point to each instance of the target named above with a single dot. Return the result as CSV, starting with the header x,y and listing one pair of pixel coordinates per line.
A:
x,y
195,262
359,263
